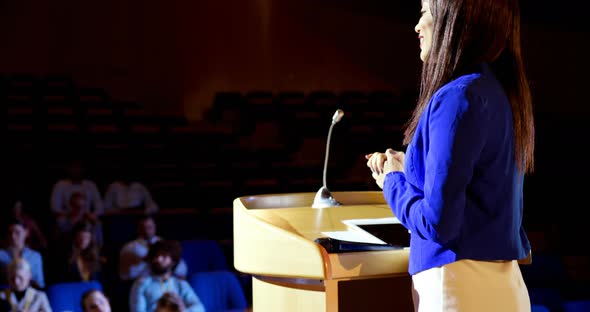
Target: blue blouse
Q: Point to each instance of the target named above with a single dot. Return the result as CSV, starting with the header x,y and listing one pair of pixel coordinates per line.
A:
x,y
461,193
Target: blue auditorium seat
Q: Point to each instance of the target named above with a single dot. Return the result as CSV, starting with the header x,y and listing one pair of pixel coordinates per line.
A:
x,y
67,296
546,296
576,306
539,308
546,270
203,255
219,291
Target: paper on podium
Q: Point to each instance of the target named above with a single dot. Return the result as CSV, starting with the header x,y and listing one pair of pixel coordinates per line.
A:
x,y
357,234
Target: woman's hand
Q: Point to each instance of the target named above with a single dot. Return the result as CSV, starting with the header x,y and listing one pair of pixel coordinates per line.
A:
x,y
375,162
395,161
383,163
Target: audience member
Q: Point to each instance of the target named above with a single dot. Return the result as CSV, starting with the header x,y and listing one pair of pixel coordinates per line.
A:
x,y
79,212
84,261
17,235
36,239
21,295
75,182
127,193
95,301
163,256
170,302
132,262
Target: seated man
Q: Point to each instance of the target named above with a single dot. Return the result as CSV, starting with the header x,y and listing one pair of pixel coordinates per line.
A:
x,y
17,248
131,258
21,295
163,256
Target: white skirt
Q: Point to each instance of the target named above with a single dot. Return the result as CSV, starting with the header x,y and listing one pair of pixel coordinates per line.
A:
x,y
468,285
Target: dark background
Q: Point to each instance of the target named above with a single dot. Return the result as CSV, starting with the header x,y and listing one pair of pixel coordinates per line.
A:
x,y
171,59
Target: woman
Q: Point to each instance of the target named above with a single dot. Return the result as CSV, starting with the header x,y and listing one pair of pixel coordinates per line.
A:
x,y
458,188
17,248
84,260
36,238
78,213
21,295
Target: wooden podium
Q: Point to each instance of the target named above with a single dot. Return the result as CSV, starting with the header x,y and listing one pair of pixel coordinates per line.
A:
x,y
274,241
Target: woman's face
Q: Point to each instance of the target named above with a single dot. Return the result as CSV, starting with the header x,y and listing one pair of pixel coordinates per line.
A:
x,y
83,239
424,29
17,235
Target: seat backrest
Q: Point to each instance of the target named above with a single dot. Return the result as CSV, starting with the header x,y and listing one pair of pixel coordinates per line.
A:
x,y
546,270
547,296
66,296
219,290
539,308
203,255
582,305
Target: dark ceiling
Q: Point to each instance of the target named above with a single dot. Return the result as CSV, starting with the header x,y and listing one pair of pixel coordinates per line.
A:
x,y
573,14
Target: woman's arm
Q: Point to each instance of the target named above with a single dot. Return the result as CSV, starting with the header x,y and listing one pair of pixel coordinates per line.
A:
x,y
455,136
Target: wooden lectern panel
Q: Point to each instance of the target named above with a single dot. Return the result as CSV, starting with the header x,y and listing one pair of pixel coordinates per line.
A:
x,y
274,241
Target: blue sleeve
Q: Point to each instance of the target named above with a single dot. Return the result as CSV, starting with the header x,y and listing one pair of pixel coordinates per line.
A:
x,y
41,275
455,136
137,300
190,299
36,263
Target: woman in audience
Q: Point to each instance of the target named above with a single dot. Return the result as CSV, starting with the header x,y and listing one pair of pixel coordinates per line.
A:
x,y
95,301
21,295
84,262
36,239
17,248
79,212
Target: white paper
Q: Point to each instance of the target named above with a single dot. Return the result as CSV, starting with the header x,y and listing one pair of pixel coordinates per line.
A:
x,y
355,222
357,234
354,236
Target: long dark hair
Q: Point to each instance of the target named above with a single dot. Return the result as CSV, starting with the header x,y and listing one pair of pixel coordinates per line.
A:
x,y
89,255
467,33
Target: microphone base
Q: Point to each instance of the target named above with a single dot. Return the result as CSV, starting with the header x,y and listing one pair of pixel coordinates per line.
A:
x,y
324,199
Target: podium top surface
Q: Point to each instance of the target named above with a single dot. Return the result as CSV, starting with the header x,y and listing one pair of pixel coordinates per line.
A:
x,y
294,200
274,235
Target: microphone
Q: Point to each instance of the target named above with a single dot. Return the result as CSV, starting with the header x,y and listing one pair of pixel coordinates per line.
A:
x,y
323,197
